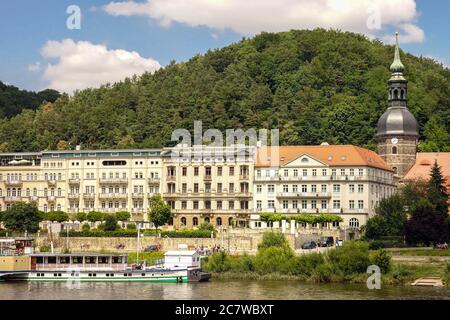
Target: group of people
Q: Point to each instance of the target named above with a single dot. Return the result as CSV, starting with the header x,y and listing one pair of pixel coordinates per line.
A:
x,y
206,251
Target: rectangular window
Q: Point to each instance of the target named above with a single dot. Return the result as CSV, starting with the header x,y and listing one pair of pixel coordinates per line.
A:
x,y
270,188
304,188
360,188
324,188
336,188
351,204
271,204
336,204
360,204
285,204
285,188
258,188
304,204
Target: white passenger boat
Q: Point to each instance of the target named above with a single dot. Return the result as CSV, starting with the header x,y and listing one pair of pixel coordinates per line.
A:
x,y
178,267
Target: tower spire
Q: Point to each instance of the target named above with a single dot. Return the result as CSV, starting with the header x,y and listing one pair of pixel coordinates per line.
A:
x,y
397,66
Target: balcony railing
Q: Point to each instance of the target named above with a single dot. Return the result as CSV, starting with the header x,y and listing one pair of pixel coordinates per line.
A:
x,y
113,181
171,177
113,196
51,198
304,195
154,180
51,182
73,195
12,199
207,178
13,183
74,181
244,176
138,195
89,195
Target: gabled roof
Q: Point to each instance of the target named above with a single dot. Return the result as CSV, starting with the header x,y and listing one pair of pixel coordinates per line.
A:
x,y
338,155
425,161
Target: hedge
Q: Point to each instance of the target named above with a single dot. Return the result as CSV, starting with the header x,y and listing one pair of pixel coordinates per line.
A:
x,y
126,233
303,218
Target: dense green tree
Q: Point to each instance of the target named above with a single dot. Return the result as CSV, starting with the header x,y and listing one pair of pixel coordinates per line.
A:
x,y
81,216
426,225
110,223
437,193
159,213
22,217
123,216
58,216
95,216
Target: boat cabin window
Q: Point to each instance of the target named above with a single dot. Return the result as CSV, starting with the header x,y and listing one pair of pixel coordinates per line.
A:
x,y
89,259
40,260
64,260
77,260
116,259
103,260
51,260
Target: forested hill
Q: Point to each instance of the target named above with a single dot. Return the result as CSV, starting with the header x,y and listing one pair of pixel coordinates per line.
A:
x,y
13,100
314,86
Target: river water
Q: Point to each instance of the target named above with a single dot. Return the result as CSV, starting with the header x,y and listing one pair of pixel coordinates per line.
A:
x,y
215,289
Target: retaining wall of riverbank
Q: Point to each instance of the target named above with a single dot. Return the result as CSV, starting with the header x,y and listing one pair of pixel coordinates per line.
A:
x,y
235,241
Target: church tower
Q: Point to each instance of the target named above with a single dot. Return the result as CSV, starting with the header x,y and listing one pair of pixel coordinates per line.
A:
x,y
398,130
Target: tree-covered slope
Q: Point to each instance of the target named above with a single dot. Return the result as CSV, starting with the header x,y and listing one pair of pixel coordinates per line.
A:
x,y
13,100
314,86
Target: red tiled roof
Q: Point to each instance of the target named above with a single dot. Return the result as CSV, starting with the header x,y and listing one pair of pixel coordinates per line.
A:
x,y
424,163
338,155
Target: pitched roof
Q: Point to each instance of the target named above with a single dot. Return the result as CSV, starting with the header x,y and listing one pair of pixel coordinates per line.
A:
x,y
425,161
337,155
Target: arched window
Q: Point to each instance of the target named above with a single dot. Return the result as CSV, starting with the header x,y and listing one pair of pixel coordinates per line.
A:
x,y
183,221
219,221
207,220
395,170
394,150
230,221
195,221
395,94
402,94
354,223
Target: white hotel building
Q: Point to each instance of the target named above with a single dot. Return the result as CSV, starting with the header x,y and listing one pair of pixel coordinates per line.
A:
x,y
345,180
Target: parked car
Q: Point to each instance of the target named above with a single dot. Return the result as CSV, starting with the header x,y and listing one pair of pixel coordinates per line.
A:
x,y
339,243
151,248
309,245
326,242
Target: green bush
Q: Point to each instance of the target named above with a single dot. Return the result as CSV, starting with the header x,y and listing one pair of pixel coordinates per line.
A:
x,y
110,223
131,226
86,227
123,216
306,264
58,216
352,257
383,260
273,260
273,239
81,216
376,245
95,216
130,233
44,248
206,226
218,262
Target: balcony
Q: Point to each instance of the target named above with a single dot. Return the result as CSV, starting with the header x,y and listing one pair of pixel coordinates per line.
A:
x,y
113,181
244,176
88,195
51,182
356,211
311,195
73,196
154,180
137,195
137,210
13,183
12,199
51,198
112,196
207,178
74,181
171,178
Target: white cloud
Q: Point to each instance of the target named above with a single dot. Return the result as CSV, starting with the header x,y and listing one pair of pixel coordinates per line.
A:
x,y
253,16
82,65
34,67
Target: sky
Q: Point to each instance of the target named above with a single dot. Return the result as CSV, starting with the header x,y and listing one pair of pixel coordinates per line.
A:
x,y
69,45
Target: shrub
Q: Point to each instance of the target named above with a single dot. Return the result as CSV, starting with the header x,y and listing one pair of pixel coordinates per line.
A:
x,y
218,262
86,227
123,216
206,226
273,259
110,223
44,248
376,245
352,257
273,239
383,260
307,263
131,226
